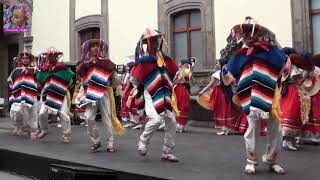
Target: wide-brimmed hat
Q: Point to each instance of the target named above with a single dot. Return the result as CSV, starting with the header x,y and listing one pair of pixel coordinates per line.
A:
x,y
250,28
311,86
316,60
85,48
102,44
192,61
150,33
289,50
94,41
185,61
301,62
52,50
147,36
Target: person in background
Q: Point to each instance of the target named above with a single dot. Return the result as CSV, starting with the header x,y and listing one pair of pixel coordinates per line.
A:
x,y
181,92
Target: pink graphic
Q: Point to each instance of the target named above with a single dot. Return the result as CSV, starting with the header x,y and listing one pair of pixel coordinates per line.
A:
x,y
15,17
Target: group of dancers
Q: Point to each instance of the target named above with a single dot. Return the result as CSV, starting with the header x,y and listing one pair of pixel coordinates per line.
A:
x,y
256,85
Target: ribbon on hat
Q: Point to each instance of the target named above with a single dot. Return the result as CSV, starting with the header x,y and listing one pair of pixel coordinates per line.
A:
x,y
257,45
160,60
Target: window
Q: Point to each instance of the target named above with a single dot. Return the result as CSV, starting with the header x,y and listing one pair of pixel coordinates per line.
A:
x,y
315,19
187,35
90,33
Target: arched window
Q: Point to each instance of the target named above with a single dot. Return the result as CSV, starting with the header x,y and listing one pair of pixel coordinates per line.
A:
x,y
187,35
315,19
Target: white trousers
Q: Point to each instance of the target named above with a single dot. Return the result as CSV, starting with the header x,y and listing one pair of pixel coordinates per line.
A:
x,y
45,111
24,116
154,122
274,137
90,115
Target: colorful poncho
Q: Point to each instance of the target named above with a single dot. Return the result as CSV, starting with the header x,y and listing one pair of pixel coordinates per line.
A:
x,y
95,77
55,86
257,72
156,80
23,86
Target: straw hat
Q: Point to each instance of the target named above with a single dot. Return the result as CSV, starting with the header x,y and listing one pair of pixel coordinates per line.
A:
x,y
310,86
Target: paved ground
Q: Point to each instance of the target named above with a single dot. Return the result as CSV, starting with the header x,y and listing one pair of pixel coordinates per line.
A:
x,y
203,154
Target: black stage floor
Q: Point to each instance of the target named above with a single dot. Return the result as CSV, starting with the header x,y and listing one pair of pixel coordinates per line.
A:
x,y
203,155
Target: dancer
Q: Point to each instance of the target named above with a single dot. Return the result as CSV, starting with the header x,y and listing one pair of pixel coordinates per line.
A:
x,y
181,91
125,94
23,95
293,118
136,118
152,76
54,78
310,89
98,78
227,116
255,69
